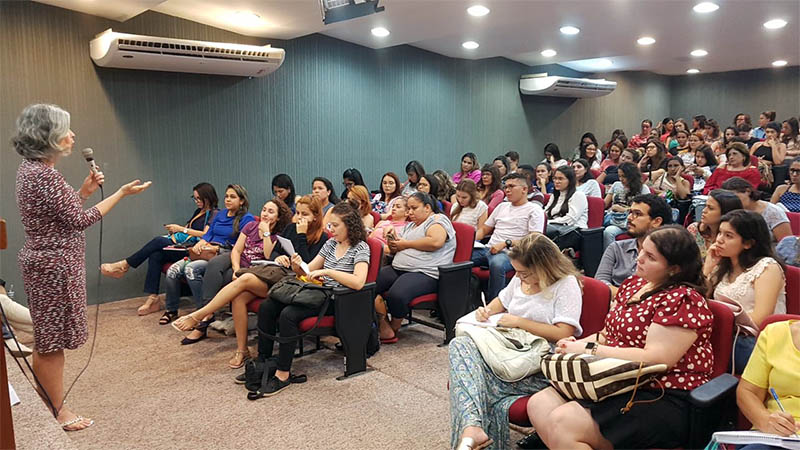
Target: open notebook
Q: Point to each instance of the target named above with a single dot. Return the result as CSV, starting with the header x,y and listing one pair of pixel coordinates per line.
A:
x,y
470,319
756,437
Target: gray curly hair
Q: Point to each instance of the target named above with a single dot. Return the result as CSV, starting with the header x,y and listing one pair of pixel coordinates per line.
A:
x,y
40,127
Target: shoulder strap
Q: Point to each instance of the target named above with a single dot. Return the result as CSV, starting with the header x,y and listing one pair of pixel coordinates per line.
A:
x,y
287,339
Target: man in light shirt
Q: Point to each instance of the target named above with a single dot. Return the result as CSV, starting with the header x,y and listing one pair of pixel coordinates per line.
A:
x,y
509,222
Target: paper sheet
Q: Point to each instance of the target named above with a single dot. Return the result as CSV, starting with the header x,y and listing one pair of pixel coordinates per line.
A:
x,y
478,244
470,319
287,245
12,394
756,437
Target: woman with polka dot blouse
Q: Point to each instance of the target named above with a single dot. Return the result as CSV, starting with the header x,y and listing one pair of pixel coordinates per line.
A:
x,y
660,316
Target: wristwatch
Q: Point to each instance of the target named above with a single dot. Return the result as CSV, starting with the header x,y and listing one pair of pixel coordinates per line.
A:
x,y
509,243
591,348
266,233
185,231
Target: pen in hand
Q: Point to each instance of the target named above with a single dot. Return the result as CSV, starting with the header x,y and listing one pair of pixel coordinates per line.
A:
x,y
777,400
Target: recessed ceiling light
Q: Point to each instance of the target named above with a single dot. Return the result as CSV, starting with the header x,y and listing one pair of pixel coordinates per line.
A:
x,y
247,18
699,52
569,29
646,40
470,45
705,7
693,71
380,32
774,24
549,53
779,63
477,10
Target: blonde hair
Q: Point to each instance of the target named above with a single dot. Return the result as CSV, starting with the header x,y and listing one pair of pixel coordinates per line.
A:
x,y
470,188
361,195
542,256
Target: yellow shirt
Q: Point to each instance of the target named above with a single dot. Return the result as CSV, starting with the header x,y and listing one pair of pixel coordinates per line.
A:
x,y
775,363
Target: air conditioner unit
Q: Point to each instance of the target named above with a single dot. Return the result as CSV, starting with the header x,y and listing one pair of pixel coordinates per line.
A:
x,y
553,86
131,51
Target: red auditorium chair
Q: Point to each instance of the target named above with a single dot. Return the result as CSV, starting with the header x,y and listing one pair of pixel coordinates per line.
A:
x,y
602,190
792,290
452,298
375,217
591,250
355,311
446,206
794,222
779,318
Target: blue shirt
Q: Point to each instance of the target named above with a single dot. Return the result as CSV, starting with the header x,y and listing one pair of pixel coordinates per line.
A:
x,y
221,229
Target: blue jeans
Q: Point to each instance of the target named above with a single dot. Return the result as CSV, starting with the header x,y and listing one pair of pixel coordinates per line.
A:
x,y
610,234
6,333
156,257
742,349
498,264
193,272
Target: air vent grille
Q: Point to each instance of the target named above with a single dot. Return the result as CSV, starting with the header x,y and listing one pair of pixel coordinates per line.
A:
x,y
168,48
577,84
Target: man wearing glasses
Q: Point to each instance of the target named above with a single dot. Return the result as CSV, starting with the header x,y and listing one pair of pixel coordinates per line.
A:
x,y
647,212
510,221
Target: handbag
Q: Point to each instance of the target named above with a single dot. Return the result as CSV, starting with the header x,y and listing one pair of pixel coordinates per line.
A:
x,y
208,252
293,291
579,376
511,353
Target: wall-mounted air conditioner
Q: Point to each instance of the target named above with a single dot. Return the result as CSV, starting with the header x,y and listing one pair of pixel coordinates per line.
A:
x,y
554,86
131,51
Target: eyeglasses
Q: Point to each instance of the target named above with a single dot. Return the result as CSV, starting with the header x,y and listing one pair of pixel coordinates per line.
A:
x,y
795,171
635,213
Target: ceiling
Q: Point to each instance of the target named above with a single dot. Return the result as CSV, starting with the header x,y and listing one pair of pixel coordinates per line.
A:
x,y
519,29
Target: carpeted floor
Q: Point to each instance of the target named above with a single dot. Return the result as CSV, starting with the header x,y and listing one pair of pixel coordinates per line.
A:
x,y
144,390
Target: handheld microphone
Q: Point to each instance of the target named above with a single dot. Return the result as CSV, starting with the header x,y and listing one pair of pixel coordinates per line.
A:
x,y
88,155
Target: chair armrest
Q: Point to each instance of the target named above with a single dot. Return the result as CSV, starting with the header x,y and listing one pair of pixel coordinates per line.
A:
x,y
454,267
355,313
712,392
591,249
453,294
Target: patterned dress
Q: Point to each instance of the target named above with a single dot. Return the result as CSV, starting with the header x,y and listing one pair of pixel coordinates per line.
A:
x,y
53,261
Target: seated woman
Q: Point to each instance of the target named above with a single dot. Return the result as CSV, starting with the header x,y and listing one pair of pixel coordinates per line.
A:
x,y
590,154
351,177
342,261
567,211
552,156
221,234
680,145
610,175
612,154
742,269
788,195
719,203
737,165
429,184
665,298
468,208
584,179
447,190
322,189
490,187
249,246
771,149
427,242
654,159
414,171
704,164
397,221
470,169
618,201
777,221
390,191
503,165
359,199
544,181
694,143
283,189
543,298
775,363
205,198
672,180
307,237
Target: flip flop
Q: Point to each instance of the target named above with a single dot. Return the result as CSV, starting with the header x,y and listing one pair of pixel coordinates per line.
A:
x,y
65,425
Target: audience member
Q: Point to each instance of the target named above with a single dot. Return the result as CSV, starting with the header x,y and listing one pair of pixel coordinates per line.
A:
x,y
763,119
510,221
699,124
425,243
397,220
704,164
283,189
469,169
567,210
742,272
349,270
544,298
389,193
205,198
719,203
737,165
359,200
776,219
743,131
490,187
614,136
543,178
446,187
351,177
694,142
586,139
618,201
681,143
680,125
429,184
712,133
552,155
414,171
672,180
221,235
742,119
513,160
771,148
790,135
789,250
665,297
654,159
468,208
322,188
585,180
611,174
590,154
639,140
667,125
534,194
774,364
503,165
788,195
729,135
612,153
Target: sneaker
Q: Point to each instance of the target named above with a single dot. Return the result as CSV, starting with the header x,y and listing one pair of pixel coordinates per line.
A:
x,y
275,385
20,351
240,379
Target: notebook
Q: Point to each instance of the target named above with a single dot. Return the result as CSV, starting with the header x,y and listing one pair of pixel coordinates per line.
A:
x,y
756,437
471,320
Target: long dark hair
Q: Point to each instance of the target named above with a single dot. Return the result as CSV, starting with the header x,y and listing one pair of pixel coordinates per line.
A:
x,y
353,175
207,194
474,159
332,198
553,150
588,174
727,200
678,247
284,216
496,180
742,186
753,229
241,192
570,174
594,158
708,154
658,161
284,181
505,162
415,167
427,199
794,130
587,135
351,218
634,178
397,187
431,179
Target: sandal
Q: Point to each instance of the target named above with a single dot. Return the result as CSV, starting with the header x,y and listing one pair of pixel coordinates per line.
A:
x,y
168,317
182,324
239,358
151,305
114,270
66,425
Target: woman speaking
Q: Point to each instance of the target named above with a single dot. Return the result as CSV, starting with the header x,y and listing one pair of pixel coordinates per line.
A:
x,y
52,260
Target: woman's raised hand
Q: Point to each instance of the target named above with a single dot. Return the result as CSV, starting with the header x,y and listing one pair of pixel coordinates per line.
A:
x,y
302,225
134,187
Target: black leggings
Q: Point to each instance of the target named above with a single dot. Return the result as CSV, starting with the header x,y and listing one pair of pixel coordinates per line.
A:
x,y
399,288
274,316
